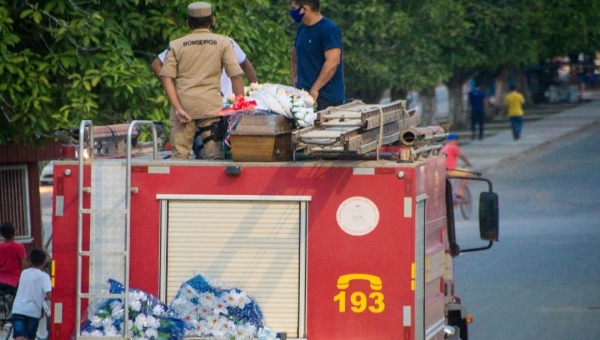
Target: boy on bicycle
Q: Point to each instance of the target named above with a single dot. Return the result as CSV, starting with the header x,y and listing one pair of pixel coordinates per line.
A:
x,y
453,153
34,288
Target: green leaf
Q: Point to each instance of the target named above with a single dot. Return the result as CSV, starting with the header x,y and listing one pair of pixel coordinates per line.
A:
x,y
25,13
37,17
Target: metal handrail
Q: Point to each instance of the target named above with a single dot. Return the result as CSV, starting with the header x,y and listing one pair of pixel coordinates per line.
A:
x,y
81,190
82,127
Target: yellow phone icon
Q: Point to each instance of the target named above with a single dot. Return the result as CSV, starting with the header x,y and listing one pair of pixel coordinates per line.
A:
x,y
374,281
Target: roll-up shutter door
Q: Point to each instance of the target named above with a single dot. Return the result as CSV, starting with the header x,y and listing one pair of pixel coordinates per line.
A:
x,y
250,245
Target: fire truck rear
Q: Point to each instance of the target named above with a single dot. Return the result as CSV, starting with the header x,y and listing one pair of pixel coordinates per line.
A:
x,y
333,246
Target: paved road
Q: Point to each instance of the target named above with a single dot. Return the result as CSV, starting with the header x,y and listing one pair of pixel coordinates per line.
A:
x,y
542,280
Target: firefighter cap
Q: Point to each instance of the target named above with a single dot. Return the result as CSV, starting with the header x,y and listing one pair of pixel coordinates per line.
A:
x,y
199,9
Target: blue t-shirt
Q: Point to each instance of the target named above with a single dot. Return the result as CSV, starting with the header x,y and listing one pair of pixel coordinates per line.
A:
x,y
476,98
311,44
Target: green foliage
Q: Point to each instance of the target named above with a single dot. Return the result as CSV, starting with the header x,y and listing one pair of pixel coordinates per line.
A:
x,y
62,61
566,27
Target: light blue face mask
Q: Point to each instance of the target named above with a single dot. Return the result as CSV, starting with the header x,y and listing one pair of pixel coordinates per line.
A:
x,y
295,14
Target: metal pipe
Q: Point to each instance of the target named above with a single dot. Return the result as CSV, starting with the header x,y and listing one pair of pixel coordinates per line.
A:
x,y
429,134
129,135
344,156
80,224
106,132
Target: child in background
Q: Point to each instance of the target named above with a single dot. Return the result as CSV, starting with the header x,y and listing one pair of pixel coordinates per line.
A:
x,y
34,288
13,259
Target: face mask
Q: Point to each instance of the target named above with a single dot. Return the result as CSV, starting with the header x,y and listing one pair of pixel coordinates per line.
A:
x,y
295,14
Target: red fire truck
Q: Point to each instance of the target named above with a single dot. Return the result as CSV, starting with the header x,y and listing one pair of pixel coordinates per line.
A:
x,y
331,249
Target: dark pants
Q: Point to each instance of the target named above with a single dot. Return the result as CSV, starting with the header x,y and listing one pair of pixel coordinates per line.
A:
x,y
516,124
477,118
8,289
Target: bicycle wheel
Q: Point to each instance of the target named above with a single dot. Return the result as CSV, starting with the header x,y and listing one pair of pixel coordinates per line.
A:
x,y
465,203
5,330
43,331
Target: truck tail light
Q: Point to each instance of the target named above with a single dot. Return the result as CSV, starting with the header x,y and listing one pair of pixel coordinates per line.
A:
x,y
469,318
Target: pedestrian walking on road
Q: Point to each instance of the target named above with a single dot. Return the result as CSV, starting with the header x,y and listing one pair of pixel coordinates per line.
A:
x,y
514,103
477,102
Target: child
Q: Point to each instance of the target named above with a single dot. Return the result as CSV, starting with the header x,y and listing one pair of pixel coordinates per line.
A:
x,y
34,287
13,259
453,153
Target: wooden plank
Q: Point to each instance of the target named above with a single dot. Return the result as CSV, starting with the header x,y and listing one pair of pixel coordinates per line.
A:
x,y
322,134
343,115
350,122
373,145
374,111
355,142
374,122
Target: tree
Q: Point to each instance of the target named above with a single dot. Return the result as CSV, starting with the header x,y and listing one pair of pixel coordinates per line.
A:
x,y
63,61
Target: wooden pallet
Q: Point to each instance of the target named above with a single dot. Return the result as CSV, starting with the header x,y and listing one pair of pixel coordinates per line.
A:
x,y
355,127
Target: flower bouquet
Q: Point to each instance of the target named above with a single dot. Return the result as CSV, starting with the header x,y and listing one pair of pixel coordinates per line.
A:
x,y
288,101
213,310
148,317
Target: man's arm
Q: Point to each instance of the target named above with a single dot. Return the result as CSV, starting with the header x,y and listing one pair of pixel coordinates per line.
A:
x,y
24,263
293,66
248,69
156,67
237,83
332,60
169,87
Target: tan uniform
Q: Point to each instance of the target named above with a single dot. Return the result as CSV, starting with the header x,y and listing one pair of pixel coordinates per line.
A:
x,y
196,62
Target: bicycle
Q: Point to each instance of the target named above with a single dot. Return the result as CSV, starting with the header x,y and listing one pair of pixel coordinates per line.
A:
x,y
6,328
464,202
6,300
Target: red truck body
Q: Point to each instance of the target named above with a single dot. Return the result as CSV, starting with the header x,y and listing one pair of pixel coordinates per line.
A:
x,y
330,250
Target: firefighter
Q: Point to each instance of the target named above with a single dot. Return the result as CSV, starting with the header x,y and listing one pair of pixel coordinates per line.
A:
x,y
191,79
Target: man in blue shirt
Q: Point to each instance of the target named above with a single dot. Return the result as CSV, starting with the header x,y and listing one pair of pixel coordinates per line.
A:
x,y
317,65
476,99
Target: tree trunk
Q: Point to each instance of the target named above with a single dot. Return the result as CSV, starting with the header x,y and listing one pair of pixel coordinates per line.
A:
x,y
497,109
427,99
522,86
456,102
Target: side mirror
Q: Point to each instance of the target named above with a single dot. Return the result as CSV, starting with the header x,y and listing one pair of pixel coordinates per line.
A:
x,y
488,216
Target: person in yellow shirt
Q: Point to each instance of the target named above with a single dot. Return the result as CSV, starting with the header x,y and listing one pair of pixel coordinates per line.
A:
x,y
514,103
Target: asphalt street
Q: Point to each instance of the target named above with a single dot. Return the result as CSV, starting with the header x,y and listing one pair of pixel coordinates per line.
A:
x,y
541,280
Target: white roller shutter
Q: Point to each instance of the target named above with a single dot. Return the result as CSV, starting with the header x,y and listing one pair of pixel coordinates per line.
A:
x,y
252,245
